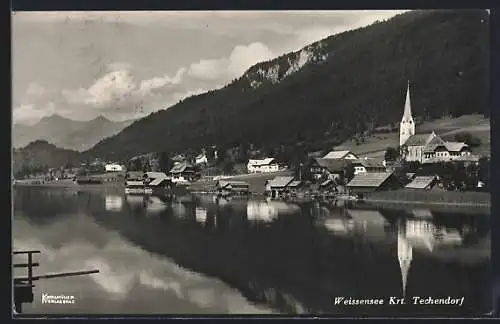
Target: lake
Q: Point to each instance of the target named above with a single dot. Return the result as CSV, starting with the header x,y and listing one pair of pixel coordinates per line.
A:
x,y
204,255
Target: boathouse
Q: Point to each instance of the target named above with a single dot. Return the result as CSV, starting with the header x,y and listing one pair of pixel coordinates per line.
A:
x,y
183,172
229,187
278,186
363,183
422,183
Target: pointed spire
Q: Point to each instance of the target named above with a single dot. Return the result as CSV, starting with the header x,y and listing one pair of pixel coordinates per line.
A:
x,y
407,112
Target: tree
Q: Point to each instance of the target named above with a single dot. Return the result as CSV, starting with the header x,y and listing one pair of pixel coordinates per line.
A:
x,y
468,139
228,167
349,173
391,154
164,162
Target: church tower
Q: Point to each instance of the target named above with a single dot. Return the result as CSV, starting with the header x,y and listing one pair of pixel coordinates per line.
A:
x,y
407,125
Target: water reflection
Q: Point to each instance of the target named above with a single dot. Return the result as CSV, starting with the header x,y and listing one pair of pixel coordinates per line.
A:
x,y
304,254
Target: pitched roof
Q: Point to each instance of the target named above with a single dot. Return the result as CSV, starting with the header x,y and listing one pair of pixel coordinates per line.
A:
x,y
332,165
369,179
417,140
265,161
326,182
224,183
156,175
180,167
280,182
369,163
295,183
421,182
157,181
455,146
336,154
468,158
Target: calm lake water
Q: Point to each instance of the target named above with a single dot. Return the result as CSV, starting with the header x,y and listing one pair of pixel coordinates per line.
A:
x,y
202,255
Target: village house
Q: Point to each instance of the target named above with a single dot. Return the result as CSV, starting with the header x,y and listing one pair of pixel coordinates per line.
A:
x,y
425,148
363,183
278,186
183,172
422,183
156,179
229,187
368,165
295,186
341,155
331,168
112,167
201,159
262,166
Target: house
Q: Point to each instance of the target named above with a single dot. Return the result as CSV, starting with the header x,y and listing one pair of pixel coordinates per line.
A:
x,y
338,155
156,179
112,167
331,168
368,165
374,181
179,158
425,148
183,172
294,186
227,187
278,186
135,175
422,182
328,185
262,166
201,159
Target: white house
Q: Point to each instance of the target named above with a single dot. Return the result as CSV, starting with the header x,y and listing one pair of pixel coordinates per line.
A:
x,y
111,167
337,155
201,158
262,166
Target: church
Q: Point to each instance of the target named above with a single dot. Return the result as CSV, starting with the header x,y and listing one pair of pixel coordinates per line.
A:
x,y
425,148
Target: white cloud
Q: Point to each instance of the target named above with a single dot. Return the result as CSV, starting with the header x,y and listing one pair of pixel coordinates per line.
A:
x,y
35,89
239,60
28,113
159,82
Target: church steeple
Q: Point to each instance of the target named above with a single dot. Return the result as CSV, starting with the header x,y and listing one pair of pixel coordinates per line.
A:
x,y
407,125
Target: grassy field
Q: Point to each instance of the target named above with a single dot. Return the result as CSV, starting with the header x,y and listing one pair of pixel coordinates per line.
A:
x,y
477,125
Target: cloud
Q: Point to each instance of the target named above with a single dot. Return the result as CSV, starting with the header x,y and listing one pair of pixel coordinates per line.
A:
x,y
239,60
35,89
30,112
150,85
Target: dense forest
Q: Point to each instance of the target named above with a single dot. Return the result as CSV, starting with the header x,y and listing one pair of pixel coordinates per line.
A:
x,y
355,81
39,156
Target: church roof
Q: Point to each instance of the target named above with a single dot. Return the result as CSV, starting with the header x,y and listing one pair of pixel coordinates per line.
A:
x,y
417,140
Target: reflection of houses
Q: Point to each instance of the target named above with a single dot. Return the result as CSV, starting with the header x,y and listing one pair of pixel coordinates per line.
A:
x,y
377,181
262,166
113,203
154,204
368,165
425,148
278,186
422,182
201,215
261,211
228,187
183,172
328,167
370,222
340,155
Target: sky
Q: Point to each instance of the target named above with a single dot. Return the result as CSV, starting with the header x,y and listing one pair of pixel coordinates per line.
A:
x,y
125,65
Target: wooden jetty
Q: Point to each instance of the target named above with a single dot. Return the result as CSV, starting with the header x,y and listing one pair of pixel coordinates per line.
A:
x,y
23,286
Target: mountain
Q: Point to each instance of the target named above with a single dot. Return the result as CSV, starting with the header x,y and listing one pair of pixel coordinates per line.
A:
x,y
331,90
67,133
41,155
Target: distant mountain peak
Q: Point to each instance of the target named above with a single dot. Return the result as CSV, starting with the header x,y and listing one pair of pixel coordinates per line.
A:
x,y
101,118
